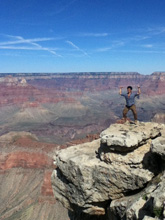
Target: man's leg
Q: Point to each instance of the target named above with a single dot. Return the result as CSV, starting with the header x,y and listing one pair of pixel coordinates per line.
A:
x,y
125,111
133,109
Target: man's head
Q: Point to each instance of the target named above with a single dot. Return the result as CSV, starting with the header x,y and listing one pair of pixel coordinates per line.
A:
x,y
129,89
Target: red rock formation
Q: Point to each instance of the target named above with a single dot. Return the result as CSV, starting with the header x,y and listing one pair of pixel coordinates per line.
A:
x,y
25,168
46,189
25,160
26,142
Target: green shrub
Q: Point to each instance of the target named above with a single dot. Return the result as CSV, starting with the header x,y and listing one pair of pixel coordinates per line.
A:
x,y
158,211
145,197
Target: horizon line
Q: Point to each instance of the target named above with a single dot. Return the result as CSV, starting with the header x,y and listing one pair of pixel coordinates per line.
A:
x,y
84,72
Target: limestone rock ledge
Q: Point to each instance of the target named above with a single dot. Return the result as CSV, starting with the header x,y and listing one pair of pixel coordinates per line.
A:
x,y
97,180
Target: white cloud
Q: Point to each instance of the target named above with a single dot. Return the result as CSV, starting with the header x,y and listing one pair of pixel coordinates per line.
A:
x,y
73,45
115,44
94,34
76,47
63,7
156,30
104,49
140,51
147,45
21,40
32,42
18,48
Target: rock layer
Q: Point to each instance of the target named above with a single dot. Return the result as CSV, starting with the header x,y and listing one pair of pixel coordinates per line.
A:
x,y
25,179
93,175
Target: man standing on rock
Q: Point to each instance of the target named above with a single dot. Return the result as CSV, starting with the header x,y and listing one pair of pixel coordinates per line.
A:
x,y
130,102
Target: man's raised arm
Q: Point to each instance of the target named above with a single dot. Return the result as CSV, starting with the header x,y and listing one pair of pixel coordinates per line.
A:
x,y
139,91
120,91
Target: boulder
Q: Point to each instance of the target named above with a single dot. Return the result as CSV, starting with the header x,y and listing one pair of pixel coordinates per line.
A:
x,y
149,203
148,218
90,176
126,137
158,146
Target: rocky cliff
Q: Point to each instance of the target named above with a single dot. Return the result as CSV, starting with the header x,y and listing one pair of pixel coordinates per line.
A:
x,y
121,175
83,81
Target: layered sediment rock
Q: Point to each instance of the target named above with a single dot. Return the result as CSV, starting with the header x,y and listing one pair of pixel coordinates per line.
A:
x,y
107,178
25,179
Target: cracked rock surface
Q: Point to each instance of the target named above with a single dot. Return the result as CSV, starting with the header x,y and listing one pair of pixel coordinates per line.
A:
x,y
93,176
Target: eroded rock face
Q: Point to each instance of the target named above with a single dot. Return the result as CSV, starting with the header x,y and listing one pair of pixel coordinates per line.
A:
x,y
123,138
25,179
147,204
93,175
158,146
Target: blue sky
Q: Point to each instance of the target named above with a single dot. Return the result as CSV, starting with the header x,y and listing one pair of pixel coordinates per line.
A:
x,y
82,35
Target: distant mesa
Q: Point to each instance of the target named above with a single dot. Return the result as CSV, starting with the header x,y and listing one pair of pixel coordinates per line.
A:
x,y
159,118
23,82
10,80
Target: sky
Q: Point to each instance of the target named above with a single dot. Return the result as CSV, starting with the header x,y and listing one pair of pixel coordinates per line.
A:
x,y
82,36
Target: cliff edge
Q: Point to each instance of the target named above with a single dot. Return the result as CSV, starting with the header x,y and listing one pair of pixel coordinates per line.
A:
x,y
121,175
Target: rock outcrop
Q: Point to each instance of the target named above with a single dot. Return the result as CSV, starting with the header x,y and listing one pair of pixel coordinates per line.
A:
x,y
118,176
159,118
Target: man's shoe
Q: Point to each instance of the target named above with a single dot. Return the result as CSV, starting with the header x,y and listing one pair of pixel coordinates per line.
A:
x,y
126,122
136,122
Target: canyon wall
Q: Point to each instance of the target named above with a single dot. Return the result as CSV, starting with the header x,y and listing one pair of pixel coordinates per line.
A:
x,y
25,178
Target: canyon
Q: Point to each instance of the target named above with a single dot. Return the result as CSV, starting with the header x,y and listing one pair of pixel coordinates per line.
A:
x,y
41,113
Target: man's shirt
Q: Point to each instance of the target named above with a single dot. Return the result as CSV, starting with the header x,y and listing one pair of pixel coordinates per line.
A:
x,y
130,100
